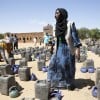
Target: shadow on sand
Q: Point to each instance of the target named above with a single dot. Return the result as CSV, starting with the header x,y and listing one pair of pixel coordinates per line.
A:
x,y
81,83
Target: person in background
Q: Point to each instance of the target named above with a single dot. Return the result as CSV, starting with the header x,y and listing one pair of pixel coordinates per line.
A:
x,y
12,40
41,40
8,41
51,44
15,42
46,40
35,41
61,69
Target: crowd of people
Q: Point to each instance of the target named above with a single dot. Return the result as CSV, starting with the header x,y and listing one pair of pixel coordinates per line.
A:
x,y
49,41
10,43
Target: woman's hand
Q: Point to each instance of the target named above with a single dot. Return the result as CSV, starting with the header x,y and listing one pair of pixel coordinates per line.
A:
x,y
77,54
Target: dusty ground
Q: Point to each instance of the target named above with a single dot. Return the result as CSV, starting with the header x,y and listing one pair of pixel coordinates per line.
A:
x,y
84,80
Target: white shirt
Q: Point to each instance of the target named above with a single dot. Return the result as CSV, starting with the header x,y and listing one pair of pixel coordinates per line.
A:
x,y
34,40
7,40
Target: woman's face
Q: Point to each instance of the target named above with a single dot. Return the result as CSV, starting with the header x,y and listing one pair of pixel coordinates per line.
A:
x,y
57,14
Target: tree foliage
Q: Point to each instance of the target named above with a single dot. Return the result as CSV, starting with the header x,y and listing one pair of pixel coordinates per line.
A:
x,y
89,33
1,36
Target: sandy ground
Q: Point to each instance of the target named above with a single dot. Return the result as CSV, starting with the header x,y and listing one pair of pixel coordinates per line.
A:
x,y
84,80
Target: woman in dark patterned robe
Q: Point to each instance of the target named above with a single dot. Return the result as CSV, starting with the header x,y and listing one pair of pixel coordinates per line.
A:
x,y
61,71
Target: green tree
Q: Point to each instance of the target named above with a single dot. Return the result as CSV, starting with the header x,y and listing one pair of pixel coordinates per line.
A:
x,y
1,36
95,33
84,33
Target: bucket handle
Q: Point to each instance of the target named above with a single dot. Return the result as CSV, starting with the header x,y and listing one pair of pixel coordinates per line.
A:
x,y
12,88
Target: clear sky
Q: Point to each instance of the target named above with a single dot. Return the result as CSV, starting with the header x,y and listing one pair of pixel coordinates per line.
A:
x,y
32,15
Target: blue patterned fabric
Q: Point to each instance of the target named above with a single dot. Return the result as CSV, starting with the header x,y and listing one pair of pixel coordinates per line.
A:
x,y
75,37
61,71
62,67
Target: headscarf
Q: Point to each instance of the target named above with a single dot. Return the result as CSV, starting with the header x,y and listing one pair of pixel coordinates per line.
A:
x,y
61,22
